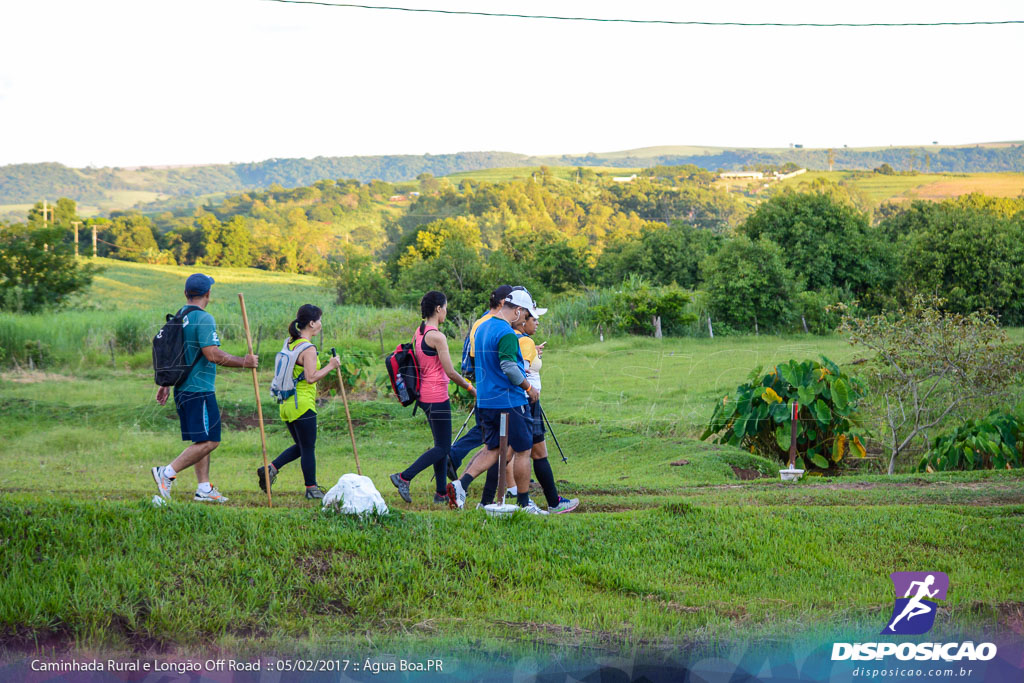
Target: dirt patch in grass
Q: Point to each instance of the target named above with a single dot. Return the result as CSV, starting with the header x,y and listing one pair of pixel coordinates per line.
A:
x,y
247,421
734,612
744,474
316,564
33,376
679,463
1011,615
557,633
58,642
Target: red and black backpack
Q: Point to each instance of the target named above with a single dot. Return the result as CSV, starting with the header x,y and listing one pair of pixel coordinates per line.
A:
x,y
404,373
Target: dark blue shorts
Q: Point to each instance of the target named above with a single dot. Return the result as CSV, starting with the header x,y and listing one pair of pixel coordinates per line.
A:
x,y
538,422
198,414
520,427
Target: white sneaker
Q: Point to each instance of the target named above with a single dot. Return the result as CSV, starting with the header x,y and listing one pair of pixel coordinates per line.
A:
x,y
211,496
456,495
163,484
532,509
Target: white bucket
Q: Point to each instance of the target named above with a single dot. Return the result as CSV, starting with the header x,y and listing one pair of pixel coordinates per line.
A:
x,y
791,474
500,509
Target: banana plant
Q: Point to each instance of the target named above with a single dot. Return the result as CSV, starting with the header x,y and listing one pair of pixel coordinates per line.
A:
x,y
757,416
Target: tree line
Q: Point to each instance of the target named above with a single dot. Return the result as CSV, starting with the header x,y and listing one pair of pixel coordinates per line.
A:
x,y
782,266
24,183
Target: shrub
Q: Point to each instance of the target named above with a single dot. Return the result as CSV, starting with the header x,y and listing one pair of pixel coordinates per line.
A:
x,y
37,353
994,442
931,366
632,308
355,369
757,415
748,285
131,334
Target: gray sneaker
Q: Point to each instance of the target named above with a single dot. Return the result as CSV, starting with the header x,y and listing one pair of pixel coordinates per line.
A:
x,y
564,505
532,509
163,484
261,480
403,487
314,493
211,496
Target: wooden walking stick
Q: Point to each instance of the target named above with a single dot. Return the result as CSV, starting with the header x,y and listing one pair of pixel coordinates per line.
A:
x,y
502,458
259,405
351,432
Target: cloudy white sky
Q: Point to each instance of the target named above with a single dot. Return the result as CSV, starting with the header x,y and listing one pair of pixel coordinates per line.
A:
x,y
130,82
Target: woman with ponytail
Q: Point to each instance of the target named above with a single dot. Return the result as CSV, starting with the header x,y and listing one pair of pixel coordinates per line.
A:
x,y
436,369
299,414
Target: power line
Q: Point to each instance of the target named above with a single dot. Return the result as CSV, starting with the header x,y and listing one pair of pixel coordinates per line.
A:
x,y
668,22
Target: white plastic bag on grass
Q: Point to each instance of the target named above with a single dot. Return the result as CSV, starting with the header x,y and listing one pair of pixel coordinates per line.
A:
x,y
355,495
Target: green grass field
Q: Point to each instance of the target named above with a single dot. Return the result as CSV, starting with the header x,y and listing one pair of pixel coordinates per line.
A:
x,y
669,545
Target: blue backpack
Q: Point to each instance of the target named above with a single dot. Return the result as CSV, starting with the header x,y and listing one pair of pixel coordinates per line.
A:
x,y
468,366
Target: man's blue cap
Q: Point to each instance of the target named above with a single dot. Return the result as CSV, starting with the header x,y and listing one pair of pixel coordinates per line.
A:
x,y
197,283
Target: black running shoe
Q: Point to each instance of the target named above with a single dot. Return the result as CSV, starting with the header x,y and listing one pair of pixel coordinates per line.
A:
x,y
441,498
314,493
403,487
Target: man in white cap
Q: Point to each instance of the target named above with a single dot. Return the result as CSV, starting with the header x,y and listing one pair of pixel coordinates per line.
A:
x,y
502,387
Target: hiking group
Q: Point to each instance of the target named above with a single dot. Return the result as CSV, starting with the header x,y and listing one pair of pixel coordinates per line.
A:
x,y
499,354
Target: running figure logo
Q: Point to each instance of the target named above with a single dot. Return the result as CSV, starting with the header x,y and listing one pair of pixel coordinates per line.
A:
x,y
914,613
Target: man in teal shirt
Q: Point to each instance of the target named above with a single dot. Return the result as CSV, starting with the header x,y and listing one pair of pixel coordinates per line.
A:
x,y
195,399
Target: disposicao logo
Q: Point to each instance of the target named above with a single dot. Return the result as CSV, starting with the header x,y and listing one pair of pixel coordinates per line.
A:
x,y
914,612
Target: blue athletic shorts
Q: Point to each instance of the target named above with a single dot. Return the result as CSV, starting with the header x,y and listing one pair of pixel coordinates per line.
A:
x,y
198,414
538,423
520,427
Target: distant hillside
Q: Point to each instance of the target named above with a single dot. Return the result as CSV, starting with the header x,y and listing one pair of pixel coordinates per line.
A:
x,y
974,159
28,183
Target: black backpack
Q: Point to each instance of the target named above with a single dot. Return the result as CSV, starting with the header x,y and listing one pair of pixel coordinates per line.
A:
x,y
404,373
169,366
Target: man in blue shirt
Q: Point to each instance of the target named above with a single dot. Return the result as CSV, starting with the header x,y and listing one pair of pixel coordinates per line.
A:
x,y
195,399
502,387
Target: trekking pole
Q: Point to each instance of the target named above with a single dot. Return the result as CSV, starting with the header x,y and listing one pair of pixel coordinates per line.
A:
x,y
464,424
548,422
351,432
259,404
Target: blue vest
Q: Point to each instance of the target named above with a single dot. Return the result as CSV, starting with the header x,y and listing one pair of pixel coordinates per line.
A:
x,y
493,390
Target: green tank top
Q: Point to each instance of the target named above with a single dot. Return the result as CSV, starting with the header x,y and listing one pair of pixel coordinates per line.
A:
x,y
304,391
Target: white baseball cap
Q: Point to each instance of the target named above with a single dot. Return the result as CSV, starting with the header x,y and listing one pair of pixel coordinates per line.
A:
x,y
521,297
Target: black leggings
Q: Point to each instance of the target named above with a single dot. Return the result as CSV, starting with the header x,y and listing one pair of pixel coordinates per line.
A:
x,y
303,431
439,417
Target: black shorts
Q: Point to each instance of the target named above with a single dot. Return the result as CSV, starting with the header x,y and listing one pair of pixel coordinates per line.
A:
x,y
198,415
520,427
538,423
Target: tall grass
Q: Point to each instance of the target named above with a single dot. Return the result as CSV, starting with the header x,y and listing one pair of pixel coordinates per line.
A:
x,y
128,302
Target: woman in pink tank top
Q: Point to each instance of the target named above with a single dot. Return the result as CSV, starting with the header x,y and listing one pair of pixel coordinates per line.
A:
x,y
431,349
